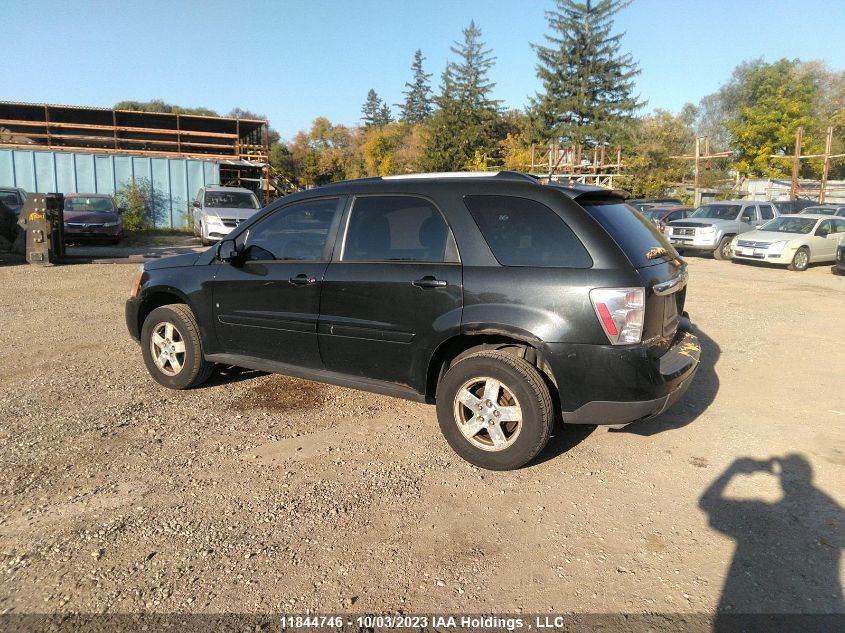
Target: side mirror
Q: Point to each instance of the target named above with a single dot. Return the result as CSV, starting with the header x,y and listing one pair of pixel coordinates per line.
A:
x,y
196,204
121,210
227,251
822,233
758,226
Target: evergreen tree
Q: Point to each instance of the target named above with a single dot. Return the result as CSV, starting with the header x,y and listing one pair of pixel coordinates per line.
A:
x,y
418,105
376,112
587,82
462,130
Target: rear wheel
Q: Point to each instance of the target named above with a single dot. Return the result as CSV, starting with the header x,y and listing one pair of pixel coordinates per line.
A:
x,y
723,250
172,348
495,410
801,260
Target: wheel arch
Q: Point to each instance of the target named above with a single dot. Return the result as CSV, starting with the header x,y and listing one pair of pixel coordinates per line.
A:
x,y
155,298
462,345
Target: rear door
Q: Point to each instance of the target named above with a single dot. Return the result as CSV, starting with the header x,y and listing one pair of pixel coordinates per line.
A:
x,y
267,306
394,291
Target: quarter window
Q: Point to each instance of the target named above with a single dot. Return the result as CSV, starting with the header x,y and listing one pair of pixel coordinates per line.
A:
x,y
397,229
297,232
523,232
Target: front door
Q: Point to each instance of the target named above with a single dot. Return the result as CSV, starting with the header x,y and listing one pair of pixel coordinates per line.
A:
x,y
266,305
394,293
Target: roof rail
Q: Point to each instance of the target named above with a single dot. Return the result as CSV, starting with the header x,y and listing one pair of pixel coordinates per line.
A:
x,y
510,175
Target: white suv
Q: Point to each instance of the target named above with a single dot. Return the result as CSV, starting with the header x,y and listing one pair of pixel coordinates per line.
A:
x,y
218,210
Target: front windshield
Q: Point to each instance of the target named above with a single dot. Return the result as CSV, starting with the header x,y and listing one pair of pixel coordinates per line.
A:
x,y
818,210
653,214
717,211
94,205
801,226
231,200
10,199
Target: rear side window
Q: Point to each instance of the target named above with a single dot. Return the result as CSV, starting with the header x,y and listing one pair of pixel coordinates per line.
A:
x,y
632,232
523,232
766,212
397,229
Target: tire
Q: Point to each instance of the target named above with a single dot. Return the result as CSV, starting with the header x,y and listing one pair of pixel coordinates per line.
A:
x,y
175,324
522,390
723,250
801,260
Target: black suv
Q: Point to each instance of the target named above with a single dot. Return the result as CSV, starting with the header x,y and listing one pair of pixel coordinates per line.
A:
x,y
504,301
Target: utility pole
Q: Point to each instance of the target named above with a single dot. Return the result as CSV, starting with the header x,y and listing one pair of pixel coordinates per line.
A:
x,y
796,164
697,174
827,147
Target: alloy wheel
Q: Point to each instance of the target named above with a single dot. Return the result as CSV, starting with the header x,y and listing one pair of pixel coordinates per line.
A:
x,y
487,413
167,347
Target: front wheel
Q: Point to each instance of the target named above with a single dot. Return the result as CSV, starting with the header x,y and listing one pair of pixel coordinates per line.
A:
x,y
172,348
723,250
495,410
801,260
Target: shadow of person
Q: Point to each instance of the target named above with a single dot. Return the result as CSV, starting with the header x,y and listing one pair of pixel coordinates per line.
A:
x,y
700,395
787,552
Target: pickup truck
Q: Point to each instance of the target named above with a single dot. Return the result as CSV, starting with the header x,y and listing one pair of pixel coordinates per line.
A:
x,y
712,226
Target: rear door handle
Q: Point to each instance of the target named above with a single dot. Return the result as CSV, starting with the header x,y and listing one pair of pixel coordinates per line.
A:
x,y
302,280
430,282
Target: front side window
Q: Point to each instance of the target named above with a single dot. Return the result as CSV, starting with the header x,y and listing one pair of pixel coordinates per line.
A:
x,y
231,200
397,229
299,232
748,214
523,232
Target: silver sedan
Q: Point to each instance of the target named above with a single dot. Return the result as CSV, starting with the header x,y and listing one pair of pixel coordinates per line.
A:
x,y
795,241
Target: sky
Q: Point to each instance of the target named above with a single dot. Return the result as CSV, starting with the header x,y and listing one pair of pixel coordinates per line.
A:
x,y
294,60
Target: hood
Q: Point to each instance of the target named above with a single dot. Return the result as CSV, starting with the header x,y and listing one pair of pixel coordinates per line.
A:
x,y
769,236
226,212
174,261
91,217
698,222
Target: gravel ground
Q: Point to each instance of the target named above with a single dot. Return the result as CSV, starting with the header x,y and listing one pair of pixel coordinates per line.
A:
x,y
261,493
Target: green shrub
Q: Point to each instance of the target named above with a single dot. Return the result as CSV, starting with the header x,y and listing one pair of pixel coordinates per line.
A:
x,y
143,205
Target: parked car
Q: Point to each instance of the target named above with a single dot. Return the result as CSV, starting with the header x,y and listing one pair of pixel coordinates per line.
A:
x,y
839,265
219,210
711,227
826,209
92,216
792,240
662,215
502,300
643,204
13,198
787,207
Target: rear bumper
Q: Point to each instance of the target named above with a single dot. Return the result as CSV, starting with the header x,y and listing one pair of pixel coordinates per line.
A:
x,y
621,385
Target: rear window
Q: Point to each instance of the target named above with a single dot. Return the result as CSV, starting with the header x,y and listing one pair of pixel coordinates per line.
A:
x,y
634,234
523,232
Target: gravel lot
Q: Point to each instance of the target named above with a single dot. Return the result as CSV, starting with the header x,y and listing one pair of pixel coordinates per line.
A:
x,y
261,493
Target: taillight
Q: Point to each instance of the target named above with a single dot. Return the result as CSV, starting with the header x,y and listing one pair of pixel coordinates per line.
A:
x,y
621,312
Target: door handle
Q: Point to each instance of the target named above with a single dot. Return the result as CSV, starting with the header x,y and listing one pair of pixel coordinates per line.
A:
x,y
302,280
430,282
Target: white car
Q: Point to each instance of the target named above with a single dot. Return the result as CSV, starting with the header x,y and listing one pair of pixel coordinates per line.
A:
x,y
218,210
795,241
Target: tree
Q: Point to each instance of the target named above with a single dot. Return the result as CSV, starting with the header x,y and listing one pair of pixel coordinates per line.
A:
x,y
587,82
654,140
158,105
376,112
770,102
418,101
462,132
